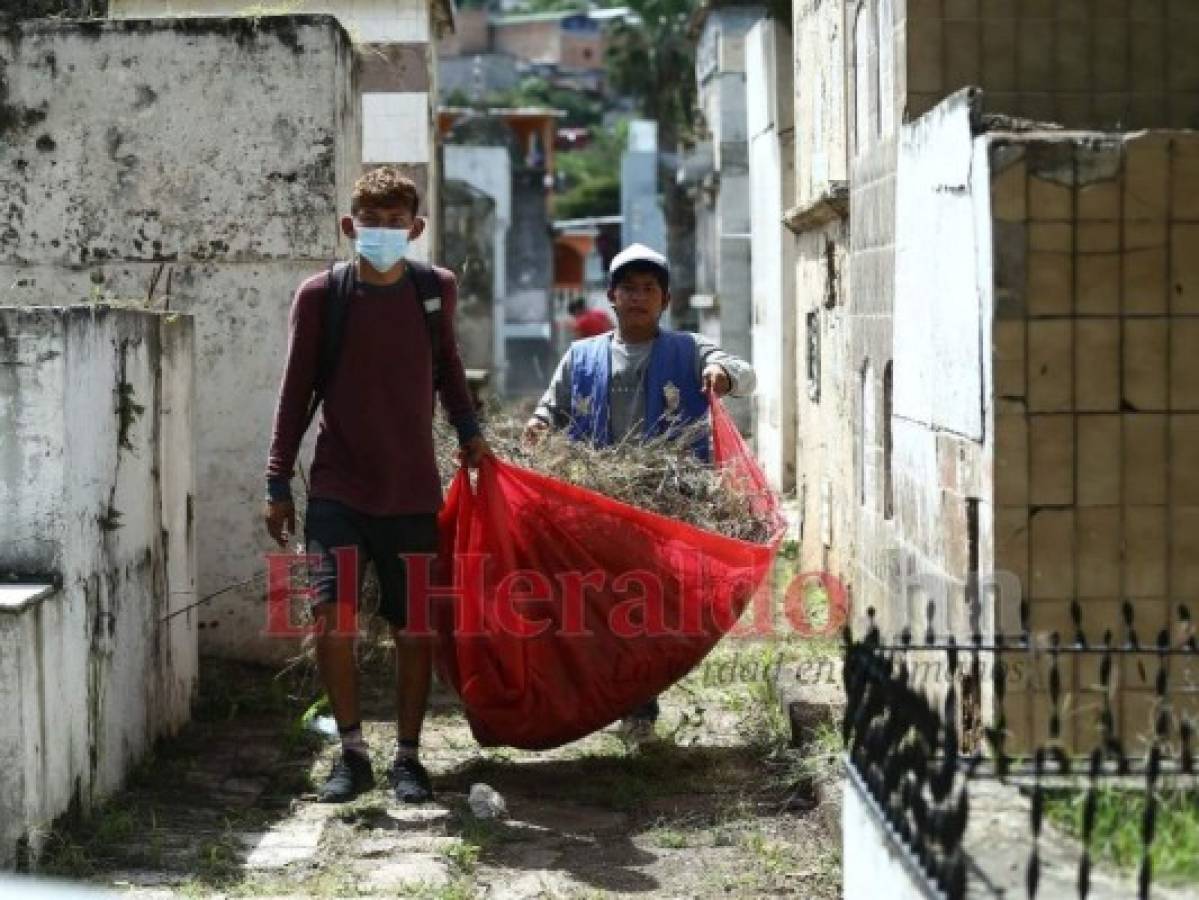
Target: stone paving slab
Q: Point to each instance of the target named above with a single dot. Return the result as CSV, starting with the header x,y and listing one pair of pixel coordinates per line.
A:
x,y
523,886
410,870
291,841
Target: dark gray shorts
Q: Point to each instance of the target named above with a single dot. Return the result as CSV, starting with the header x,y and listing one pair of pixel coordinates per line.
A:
x,y
382,540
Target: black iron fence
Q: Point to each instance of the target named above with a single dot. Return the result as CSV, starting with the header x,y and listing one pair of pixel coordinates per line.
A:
x,y
916,747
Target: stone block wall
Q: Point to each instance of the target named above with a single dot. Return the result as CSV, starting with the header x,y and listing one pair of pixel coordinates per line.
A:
x,y
925,475
1044,410
395,48
138,164
1097,400
97,500
824,407
1121,64
721,75
1103,64
824,441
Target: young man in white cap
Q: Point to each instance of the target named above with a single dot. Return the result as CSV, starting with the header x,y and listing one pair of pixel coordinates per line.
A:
x,y
637,382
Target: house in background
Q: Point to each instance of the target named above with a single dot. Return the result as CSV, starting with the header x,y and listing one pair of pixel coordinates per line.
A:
x,y
567,48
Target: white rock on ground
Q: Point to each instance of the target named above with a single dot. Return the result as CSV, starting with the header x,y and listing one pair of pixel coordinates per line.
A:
x,y
486,802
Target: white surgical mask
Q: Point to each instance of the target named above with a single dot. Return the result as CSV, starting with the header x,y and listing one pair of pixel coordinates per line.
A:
x,y
381,247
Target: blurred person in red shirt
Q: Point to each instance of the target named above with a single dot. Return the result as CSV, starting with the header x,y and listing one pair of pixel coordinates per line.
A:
x,y
587,322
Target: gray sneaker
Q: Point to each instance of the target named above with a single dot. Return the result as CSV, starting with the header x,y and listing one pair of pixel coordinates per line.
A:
x,y
410,781
636,731
351,776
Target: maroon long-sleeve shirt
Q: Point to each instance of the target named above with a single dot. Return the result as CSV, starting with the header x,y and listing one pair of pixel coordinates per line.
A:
x,y
374,447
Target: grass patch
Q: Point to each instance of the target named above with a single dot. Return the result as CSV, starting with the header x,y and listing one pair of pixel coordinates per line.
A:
x,y
1116,836
769,856
463,857
367,811
66,857
458,889
478,838
79,848
141,827
228,690
670,838
336,881
218,860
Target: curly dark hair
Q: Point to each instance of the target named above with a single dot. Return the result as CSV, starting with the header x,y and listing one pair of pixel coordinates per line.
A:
x,y
385,186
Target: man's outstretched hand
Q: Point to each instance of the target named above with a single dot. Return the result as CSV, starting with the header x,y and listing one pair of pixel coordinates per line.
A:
x,y
280,516
472,452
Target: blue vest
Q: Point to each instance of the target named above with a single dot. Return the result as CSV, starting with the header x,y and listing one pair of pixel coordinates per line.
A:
x,y
671,364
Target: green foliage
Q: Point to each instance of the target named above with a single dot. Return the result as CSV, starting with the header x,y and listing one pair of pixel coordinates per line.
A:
x,y
217,860
1117,832
669,838
597,197
225,693
118,829
582,110
654,63
602,156
463,856
538,6
590,178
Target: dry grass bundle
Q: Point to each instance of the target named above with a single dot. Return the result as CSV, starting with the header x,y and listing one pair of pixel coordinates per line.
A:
x,y
374,649
660,475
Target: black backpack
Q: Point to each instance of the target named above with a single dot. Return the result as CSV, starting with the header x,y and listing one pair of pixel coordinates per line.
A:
x,y
337,307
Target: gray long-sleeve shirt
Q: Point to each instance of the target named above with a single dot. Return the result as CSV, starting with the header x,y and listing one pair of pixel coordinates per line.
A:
x,y
630,362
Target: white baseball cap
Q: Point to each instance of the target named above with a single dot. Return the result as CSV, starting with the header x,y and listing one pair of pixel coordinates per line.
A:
x,y
637,253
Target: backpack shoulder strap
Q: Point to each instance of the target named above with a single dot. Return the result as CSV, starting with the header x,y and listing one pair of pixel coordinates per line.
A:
x,y
334,311
428,292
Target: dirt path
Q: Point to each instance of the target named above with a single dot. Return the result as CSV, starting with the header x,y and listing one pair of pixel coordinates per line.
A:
x,y
721,807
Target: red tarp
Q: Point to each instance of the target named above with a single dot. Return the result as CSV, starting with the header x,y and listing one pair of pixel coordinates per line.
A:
x,y
570,609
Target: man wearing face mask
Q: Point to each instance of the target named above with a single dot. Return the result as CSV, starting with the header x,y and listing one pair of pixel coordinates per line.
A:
x,y
375,491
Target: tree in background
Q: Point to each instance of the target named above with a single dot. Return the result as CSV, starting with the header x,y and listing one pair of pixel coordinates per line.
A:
x,y
589,180
536,6
653,62
582,110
